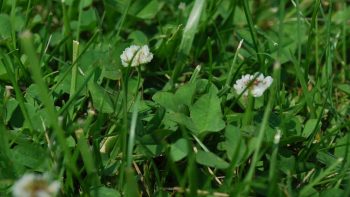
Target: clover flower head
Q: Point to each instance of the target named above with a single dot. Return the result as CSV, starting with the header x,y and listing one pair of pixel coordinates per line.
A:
x,y
32,185
256,88
136,55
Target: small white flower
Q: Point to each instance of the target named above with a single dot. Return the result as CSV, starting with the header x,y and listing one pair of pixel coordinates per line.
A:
x,y
257,87
137,54
32,185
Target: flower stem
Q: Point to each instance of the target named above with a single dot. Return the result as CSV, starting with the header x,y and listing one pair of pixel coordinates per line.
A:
x,y
248,115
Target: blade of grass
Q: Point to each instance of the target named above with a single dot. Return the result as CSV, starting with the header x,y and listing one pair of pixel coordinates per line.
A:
x,y
344,69
210,54
318,178
307,94
248,112
19,96
28,11
27,44
261,133
53,88
66,30
132,132
231,74
131,186
86,153
80,10
191,27
253,33
13,22
77,93
195,73
188,35
273,165
311,35
74,73
298,13
5,154
122,20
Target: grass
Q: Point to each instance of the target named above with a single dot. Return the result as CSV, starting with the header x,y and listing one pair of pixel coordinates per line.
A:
x,y
176,126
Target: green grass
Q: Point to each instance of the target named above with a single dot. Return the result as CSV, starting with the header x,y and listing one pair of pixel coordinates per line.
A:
x,y
176,126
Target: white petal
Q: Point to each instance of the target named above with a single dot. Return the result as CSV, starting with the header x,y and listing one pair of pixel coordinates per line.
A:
x,y
19,188
42,193
257,92
260,77
239,88
257,89
138,55
268,81
54,187
128,55
34,185
145,55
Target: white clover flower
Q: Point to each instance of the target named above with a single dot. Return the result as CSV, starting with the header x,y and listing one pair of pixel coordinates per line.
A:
x,y
257,87
32,185
137,54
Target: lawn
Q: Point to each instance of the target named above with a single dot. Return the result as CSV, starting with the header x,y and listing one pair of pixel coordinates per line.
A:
x,y
174,98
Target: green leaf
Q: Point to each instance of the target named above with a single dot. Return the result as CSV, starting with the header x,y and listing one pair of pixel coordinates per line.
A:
x,y
179,149
344,88
100,98
64,86
104,192
173,102
287,164
205,86
309,127
11,106
131,187
5,156
206,113
5,27
211,160
68,2
30,155
85,3
166,100
138,37
233,143
312,192
342,147
168,45
191,27
3,72
182,120
184,95
33,91
36,117
150,10
111,73
341,15
121,5
326,158
88,19
334,192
